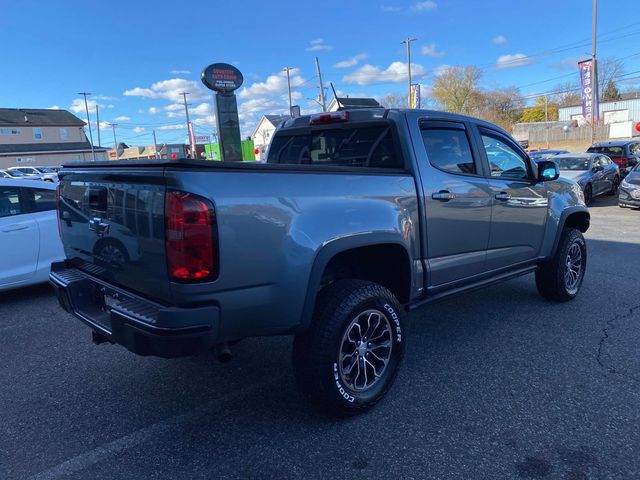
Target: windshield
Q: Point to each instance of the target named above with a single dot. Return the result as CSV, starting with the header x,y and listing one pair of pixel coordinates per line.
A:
x,y
16,173
610,151
46,170
573,163
542,156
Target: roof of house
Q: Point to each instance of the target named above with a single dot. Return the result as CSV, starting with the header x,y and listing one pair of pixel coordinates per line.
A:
x,y
8,149
36,117
277,119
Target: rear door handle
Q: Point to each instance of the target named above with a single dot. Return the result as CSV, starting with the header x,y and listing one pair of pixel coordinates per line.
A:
x,y
15,227
503,196
443,196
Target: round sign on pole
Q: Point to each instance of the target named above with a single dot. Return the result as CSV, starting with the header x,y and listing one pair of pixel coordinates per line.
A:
x,y
222,77
638,126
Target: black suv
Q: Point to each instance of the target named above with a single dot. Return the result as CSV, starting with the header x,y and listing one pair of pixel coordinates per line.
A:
x,y
625,153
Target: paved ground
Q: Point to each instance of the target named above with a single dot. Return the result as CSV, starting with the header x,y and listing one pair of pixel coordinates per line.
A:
x,y
496,384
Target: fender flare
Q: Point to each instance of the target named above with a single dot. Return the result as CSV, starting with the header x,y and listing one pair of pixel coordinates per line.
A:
x,y
566,213
329,250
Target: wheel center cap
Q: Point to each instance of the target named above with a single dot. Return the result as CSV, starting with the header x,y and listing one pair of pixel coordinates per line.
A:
x,y
362,349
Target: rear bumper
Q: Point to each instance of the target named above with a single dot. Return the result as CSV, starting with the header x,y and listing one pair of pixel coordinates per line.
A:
x,y
142,326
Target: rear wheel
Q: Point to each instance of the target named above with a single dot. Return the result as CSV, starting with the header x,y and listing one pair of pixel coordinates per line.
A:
x,y
560,278
348,359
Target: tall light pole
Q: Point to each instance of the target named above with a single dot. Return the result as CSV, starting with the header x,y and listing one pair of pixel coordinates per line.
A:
x,y
186,112
594,68
98,124
407,42
287,69
115,141
155,145
86,109
323,102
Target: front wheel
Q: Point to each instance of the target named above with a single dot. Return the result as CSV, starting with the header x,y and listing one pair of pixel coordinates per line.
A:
x,y
615,186
560,278
348,359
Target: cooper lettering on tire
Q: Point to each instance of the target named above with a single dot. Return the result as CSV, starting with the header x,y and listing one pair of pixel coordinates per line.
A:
x,y
349,357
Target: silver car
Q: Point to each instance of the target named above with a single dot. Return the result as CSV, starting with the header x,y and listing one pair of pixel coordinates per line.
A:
x,y
42,173
596,174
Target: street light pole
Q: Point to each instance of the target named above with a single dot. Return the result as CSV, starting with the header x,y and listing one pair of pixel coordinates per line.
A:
x,y
186,112
323,102
407,42
86,108
98,124
115,141
155,145
287,69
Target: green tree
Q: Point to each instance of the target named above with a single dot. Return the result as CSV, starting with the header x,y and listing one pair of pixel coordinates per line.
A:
x,y
536,113
456,90
611,92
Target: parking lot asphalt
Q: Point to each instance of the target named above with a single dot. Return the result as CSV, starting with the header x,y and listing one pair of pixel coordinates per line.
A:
x,y
497,383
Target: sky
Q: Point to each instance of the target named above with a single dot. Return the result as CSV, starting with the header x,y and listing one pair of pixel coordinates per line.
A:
x,y
135,57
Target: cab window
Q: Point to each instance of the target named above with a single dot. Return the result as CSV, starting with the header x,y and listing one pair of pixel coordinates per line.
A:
x,y
504,160
448,149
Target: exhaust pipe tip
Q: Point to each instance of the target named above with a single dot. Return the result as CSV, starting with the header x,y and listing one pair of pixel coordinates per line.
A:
x,y
223,352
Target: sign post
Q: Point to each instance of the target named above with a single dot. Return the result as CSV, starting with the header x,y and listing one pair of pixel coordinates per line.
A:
x,y
224,79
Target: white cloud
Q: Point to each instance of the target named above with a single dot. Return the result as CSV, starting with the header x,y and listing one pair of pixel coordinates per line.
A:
x,y
431,51
351,62
426,6
172,127
439,70
180,72
77,105
122,118
153,110
170,90
318,45
395,73
105,125
513,61
139,129
274,85
202,109
499,40
54,107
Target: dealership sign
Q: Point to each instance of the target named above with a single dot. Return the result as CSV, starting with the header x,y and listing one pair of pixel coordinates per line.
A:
x,y
589,90
222,77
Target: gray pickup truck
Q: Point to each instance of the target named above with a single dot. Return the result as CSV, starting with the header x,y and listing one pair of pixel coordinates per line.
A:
x,y
357,217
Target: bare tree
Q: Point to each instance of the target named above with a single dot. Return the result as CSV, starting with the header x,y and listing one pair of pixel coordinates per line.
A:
x,y
502,107
566,94
456,90
609,71
394,100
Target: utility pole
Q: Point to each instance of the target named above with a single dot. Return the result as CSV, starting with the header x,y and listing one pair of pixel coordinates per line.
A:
x,y
186,111
546,118
115,141
86,108
407,42
98,123
323,102
287,69
155,144
594,68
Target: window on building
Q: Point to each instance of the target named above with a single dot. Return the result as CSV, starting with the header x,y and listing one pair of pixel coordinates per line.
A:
x,y
64,134
9,131
25,160
37,133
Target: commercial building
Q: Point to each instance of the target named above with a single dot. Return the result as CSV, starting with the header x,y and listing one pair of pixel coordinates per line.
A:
x,y
43,137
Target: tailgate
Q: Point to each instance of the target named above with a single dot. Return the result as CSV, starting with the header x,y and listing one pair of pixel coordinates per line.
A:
x,y
112,226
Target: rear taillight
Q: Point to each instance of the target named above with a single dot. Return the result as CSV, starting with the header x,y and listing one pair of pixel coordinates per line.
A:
x,y
331,117
621,161
190,237
58,212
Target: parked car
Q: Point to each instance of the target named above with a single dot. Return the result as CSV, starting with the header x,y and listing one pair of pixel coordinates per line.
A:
x,y
16,174
357,217
43,173
596,174
28,232
546,154
625,153
630,189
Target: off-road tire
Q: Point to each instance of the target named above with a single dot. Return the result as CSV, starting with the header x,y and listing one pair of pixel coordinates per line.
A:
x,y
550,278
317,352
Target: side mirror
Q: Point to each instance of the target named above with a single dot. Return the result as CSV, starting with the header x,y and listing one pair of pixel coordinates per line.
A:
x,y
597,168
547,171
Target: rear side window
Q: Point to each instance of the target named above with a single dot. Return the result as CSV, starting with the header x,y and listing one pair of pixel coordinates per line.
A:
x,y
9,202
43,200
609,151
371,147
449,150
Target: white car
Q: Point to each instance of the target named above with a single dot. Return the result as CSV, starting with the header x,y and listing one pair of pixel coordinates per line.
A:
x,y
42,173
29,238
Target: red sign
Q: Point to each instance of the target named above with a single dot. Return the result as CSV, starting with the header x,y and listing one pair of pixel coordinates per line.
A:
x,y
638,126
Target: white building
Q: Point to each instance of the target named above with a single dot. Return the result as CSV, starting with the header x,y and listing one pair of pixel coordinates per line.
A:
x,y
43,137
264,131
